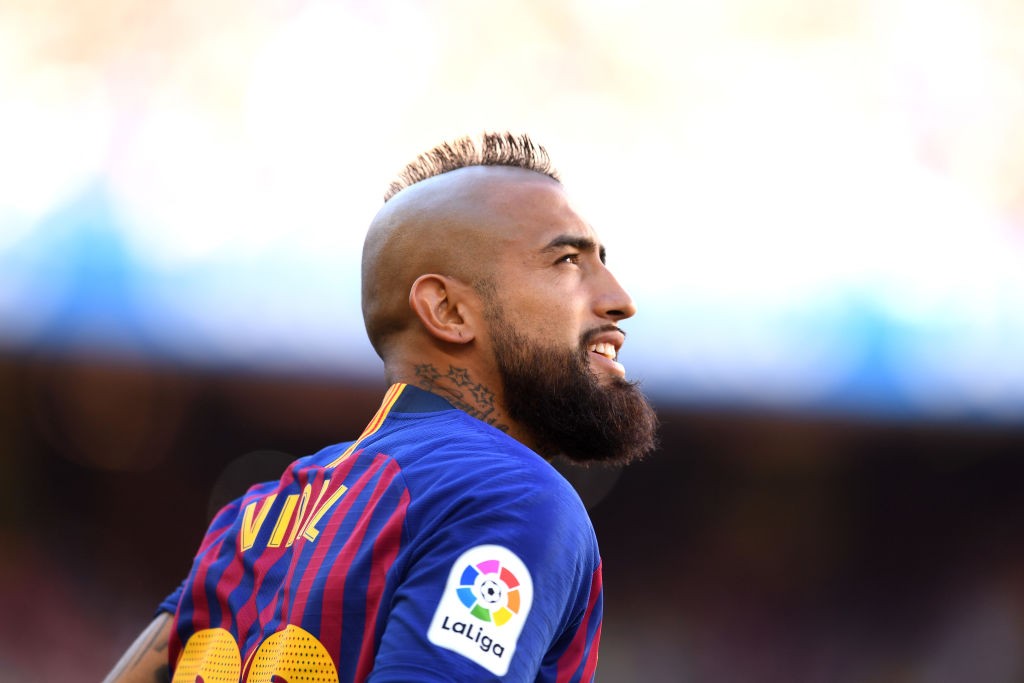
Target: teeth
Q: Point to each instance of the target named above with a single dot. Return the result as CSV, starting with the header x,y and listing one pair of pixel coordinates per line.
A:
x,y
604,348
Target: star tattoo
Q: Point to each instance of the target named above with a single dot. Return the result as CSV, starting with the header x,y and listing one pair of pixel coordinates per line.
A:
x,y
458,376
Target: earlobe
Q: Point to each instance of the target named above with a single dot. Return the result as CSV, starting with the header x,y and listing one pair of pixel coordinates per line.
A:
x,y
438,301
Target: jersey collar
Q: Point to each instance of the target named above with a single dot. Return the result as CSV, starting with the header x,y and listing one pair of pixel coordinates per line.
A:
x,y
412,399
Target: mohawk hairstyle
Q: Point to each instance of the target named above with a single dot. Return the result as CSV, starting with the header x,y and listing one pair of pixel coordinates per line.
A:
x,y
494,149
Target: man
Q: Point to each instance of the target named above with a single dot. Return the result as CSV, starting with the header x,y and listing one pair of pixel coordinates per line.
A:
x,y
440,545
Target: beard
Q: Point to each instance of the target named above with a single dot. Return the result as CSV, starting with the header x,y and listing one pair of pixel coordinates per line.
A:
x,y
560,401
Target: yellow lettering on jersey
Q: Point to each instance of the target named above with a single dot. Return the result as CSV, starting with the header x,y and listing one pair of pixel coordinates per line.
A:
x,y
251,521
302,519
320,494
297,513
277,535
303,502
309,530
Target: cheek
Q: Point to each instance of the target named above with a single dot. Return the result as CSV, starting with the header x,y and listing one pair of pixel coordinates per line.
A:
x,y
562,327
553,311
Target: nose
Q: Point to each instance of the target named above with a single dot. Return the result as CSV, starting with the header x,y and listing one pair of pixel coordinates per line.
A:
x,y
613,301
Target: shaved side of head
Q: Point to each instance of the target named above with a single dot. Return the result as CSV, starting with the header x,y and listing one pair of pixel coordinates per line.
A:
x,y
447,212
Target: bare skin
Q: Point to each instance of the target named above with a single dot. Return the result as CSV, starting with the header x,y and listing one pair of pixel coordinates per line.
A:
x,y
146,660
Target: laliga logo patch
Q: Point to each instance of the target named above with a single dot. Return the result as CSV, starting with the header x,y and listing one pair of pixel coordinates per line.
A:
x,y
490,591
484,606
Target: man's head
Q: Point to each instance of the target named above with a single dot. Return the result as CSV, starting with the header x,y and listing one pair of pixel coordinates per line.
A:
x,y
438,215
481,282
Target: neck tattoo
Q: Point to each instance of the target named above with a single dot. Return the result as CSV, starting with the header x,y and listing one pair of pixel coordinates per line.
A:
x,y
459,389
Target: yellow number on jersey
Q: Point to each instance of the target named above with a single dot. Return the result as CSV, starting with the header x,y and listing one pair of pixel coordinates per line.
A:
x,y
212,656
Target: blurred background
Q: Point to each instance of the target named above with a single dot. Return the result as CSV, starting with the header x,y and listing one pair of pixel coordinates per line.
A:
x,y
818,206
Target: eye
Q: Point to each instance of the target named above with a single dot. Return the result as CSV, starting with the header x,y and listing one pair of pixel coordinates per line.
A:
x,y
572,258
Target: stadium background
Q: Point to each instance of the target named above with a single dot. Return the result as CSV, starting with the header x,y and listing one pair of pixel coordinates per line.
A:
x,y
818,207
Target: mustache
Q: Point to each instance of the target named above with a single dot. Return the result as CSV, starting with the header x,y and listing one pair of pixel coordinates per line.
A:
x,y
588,337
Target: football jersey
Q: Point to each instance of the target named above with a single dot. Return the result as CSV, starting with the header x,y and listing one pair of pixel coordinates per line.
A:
x,y
433,548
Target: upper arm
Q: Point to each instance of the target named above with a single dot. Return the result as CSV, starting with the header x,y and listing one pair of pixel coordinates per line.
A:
x,y
146,660
495,591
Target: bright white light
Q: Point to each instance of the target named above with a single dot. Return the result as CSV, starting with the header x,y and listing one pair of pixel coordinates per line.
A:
x,y
55,136
327,97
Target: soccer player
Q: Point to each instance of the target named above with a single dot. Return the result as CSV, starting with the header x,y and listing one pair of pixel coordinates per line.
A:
x,y
440,545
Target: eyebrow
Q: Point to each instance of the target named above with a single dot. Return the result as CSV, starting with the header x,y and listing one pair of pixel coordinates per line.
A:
x,y
580,243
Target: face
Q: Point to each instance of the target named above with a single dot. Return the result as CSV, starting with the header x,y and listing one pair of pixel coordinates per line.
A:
x,y
553,309
552,279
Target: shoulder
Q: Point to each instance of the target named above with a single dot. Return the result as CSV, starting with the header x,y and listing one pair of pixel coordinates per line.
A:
x,y
476,458
504,490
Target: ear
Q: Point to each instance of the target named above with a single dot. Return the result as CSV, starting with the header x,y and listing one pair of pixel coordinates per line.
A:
x,y
443,306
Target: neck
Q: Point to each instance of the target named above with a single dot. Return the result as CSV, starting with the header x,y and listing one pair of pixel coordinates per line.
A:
x,y
466,389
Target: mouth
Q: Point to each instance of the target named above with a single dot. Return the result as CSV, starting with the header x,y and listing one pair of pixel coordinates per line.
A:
x,y
604,349
603,355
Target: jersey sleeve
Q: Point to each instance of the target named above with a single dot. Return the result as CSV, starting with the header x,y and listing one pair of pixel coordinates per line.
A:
x,y
170,603
502,582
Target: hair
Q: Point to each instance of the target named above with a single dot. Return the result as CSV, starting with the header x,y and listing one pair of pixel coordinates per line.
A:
x,y
494,149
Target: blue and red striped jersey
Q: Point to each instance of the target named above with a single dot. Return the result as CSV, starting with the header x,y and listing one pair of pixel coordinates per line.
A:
x,y
434,547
